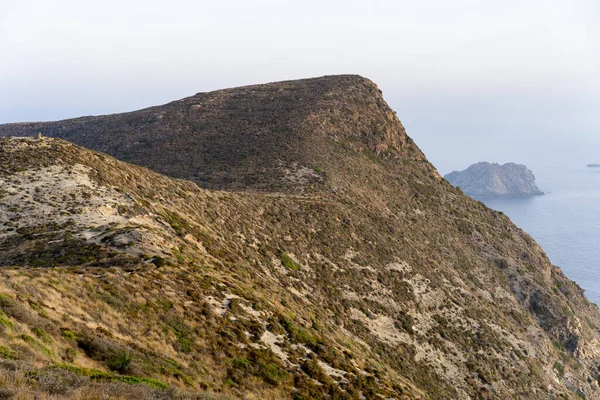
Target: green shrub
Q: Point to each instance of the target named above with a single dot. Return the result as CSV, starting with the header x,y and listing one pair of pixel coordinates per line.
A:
x,y
272,374
119,362
67,334
34,343
116,356
5,321
298,334
288,262
259,363
42,335
184,344
241,363
7,354
183,332
560,369
5,300
312,368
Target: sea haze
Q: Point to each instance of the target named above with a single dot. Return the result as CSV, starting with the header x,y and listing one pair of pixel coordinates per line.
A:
x,y
565,221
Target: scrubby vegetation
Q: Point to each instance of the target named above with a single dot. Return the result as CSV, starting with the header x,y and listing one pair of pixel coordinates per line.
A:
x,y
374,279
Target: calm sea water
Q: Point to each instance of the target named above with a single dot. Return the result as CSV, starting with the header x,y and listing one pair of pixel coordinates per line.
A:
x,y
565,221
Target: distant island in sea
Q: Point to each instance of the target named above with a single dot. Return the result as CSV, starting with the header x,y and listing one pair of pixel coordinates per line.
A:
x,y
491,179
593,165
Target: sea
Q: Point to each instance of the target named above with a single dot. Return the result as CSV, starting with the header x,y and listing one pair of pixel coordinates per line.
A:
x,y
565,221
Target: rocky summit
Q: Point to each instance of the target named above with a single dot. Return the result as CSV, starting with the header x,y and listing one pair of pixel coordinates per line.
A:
x,y
485,179
333,262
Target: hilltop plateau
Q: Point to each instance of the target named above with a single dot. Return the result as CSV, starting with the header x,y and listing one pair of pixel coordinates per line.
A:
x,y
327,260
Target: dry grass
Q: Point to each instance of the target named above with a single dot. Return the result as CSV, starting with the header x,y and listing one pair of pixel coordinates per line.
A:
x,y
58,385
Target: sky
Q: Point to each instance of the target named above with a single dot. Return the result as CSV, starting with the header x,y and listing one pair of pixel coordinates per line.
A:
x,y
471,80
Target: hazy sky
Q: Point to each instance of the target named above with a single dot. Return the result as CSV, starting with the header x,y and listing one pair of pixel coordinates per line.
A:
x,y
511,80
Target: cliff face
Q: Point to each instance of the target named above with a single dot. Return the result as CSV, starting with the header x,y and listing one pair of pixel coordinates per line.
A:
x,y
351,270
485,179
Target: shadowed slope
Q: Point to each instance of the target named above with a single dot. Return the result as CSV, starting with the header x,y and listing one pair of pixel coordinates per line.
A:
x,y
265,137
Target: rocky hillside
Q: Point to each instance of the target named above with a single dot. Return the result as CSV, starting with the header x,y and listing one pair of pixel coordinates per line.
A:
x,y
485,179
348,270
273,137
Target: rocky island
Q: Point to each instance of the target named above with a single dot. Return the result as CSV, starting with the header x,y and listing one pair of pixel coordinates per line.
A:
x,y
593,165
491,179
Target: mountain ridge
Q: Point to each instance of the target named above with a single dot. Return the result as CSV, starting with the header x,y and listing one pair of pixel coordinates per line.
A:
x,y
377,279
218,139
